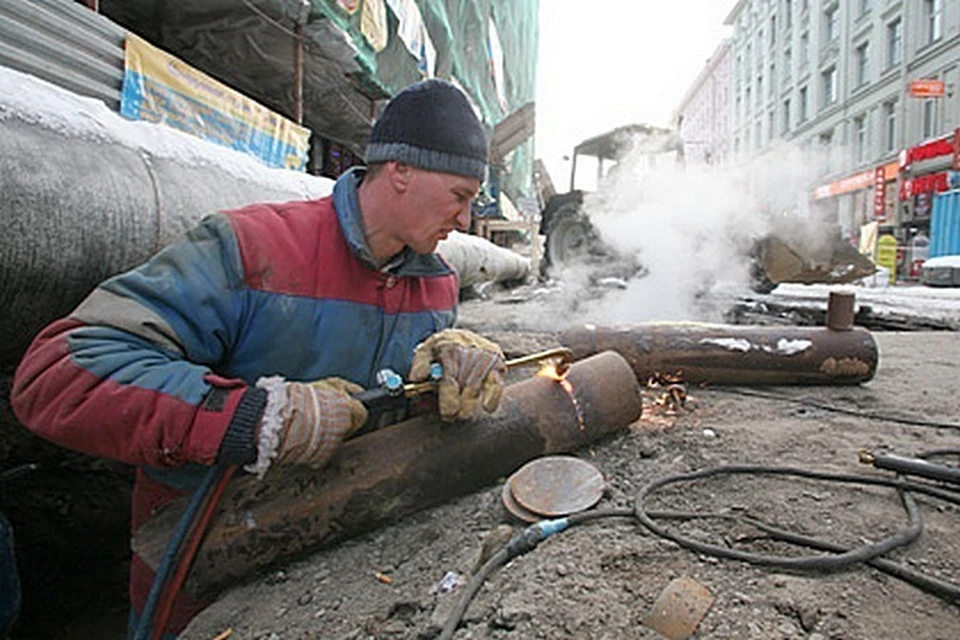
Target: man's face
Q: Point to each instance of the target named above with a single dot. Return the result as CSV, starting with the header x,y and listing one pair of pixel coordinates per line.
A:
x,y
434,205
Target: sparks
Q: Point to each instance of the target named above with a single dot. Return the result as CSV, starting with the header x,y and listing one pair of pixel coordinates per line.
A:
x,y
552,372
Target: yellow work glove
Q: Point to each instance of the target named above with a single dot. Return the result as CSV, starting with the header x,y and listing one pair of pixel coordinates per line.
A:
x,y
473,372
317,417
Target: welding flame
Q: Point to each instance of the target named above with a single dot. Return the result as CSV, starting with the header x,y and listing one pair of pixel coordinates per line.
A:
x,y
552,372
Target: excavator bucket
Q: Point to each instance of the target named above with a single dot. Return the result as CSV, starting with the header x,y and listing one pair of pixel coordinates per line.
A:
x,y
800,259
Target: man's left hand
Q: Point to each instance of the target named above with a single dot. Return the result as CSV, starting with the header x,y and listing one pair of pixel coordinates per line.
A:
x,y
474,371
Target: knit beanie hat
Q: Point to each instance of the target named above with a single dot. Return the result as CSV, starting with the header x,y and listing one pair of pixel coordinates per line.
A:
x,y
431,125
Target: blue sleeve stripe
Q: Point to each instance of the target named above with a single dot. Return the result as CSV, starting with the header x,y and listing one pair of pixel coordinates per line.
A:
x,y
119,356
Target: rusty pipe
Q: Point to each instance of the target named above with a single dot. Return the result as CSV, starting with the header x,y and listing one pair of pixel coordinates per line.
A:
x,y
396,471
735,355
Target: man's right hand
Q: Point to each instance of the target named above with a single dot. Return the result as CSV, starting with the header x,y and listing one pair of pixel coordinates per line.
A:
x,y
317,417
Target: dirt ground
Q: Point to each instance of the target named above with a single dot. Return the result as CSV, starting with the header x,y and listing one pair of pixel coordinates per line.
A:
x,y
600,579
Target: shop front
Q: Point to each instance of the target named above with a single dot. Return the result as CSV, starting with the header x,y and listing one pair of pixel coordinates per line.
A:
x,y
859,199
925,171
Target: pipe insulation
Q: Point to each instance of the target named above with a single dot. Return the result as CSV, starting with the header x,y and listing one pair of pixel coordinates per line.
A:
x,y
88,194
396,471
478,260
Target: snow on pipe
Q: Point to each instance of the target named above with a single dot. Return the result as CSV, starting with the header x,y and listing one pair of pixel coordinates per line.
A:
x,y
76,210
398,470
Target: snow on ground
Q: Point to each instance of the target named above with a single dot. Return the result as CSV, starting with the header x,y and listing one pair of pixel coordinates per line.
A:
x,y
908,299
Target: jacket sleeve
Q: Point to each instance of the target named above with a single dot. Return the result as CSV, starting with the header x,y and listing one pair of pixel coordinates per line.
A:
x,y
130,374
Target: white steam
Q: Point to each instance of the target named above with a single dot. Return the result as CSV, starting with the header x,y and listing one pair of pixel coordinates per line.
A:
x,y
691,228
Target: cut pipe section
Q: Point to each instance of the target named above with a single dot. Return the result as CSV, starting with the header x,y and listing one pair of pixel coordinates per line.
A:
x,y
398,470
735,355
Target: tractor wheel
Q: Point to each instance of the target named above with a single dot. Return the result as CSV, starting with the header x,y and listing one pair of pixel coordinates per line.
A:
x,y
569,236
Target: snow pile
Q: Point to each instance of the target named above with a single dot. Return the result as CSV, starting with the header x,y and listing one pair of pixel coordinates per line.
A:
x,y
942,262
38,102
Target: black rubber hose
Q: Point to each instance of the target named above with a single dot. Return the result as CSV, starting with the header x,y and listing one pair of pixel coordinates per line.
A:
x,y
818,562
869,554
817,404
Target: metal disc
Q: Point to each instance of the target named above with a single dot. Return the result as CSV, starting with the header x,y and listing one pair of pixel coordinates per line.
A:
x,y
556,485
515,509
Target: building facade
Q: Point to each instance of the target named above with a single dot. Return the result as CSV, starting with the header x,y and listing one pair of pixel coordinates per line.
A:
x,y
703,117
859,83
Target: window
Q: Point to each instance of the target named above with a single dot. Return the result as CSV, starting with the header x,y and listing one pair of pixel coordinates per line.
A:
x,y
759,90
890,126
787,65
929,118
864,6
831,23
748,100
804,104
773,78
862,64
771,119
787,13
860,139
759,134
804,49
785,121
825,142
829,83
773,30
932,17
894,42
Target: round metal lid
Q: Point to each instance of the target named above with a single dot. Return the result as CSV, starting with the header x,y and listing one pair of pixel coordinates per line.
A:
x,y
515,509
556,485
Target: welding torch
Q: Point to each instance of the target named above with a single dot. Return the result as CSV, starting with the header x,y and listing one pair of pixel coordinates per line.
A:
x,y
393,393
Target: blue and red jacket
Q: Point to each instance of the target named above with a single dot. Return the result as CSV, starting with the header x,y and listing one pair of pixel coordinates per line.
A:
x,y
157,367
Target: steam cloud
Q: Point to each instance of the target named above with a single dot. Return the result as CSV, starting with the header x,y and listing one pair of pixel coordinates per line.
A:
x,y
691,228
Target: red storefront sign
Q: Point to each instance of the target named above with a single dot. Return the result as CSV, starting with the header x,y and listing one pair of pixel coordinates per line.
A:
x,y
934,148
930,183
956,150
879,193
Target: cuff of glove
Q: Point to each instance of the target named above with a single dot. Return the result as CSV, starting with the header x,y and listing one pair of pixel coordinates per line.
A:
x,y
266,436
239,445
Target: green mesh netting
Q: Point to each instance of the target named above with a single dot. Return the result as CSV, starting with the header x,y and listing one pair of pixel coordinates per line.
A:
x,y
459,31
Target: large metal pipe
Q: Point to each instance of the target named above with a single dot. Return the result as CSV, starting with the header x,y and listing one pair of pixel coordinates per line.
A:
x,y
78,207
734,355
398,470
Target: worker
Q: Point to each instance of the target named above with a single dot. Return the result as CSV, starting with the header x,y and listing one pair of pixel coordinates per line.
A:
x,y
245,343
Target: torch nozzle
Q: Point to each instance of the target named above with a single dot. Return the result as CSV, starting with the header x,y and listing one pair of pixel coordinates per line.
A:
x,y
562,356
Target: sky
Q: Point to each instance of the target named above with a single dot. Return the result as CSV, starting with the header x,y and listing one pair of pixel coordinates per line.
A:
x,y
623,62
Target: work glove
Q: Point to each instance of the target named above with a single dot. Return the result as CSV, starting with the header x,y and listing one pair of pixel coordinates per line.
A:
x,y
473,372
316,418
